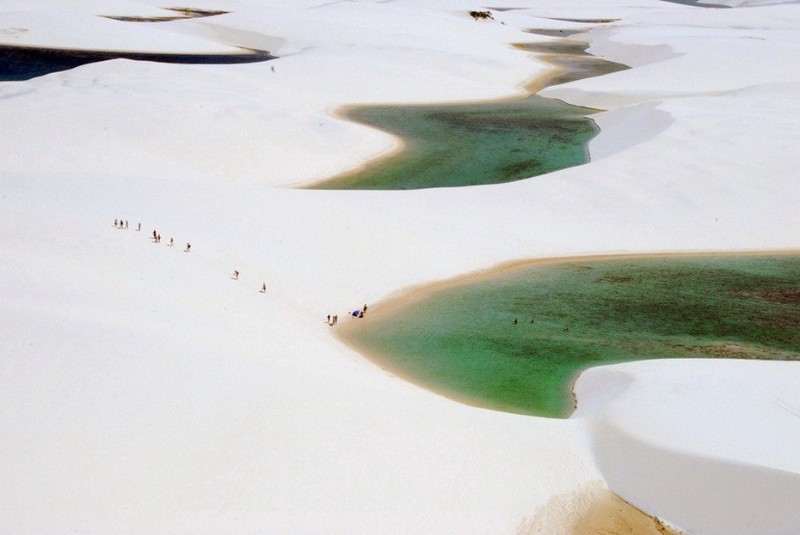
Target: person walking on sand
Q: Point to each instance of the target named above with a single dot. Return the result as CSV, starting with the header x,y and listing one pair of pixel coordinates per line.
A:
x,y
154,234
138,227
126,223
235,275
264,288
115,222
171,242
188,247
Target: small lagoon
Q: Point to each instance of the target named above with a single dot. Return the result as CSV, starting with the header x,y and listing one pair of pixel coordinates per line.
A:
x,y
19,63
472,144
484,143
516,340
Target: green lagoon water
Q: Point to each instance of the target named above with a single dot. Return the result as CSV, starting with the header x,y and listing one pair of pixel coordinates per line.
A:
x,y
469,144
472,144
462,341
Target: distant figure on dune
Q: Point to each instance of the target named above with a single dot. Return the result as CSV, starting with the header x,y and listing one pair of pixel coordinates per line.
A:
x,y
155,234
235,275
188,247
138,227
171,242
126,223
264,288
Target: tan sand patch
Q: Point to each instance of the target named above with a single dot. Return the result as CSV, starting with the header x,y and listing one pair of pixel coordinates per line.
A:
x,y
592,510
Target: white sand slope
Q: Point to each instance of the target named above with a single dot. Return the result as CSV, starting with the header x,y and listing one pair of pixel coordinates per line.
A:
x,y
146,391
728,464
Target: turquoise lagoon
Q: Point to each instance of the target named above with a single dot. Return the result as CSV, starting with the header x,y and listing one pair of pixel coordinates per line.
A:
x,y
472,144
515,341
469,144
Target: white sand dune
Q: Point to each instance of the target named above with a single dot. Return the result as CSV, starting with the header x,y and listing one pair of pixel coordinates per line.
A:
x,y
146,391
734,459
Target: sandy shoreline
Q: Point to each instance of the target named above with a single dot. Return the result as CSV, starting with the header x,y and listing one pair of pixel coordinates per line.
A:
x,y
143,383
410,297
526,88
593,509
398,145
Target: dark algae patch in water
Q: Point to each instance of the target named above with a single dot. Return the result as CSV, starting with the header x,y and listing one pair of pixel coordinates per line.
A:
x,y
516,341
470,144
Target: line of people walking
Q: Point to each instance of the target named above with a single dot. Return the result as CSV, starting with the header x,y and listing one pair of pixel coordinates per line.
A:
x,y
123,224
156,238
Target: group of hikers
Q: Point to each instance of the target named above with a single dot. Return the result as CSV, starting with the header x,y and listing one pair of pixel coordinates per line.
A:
x,y
332,319
156,238
359,313
123,224
235,276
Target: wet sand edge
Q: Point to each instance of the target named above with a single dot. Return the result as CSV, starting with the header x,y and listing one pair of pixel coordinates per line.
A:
x,y
398,145
414,294
406,298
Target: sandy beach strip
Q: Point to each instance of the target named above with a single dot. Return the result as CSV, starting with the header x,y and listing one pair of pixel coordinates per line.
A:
x,y
397,145
593,509
408,297
406,300
191,402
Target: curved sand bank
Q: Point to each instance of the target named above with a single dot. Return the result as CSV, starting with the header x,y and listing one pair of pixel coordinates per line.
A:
x,y
146,391
407,297
593,509
82,29
456,337
732,467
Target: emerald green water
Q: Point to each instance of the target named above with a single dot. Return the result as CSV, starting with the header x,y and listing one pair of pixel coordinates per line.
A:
x,y
471,144
462,341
